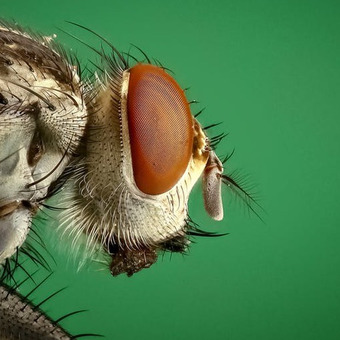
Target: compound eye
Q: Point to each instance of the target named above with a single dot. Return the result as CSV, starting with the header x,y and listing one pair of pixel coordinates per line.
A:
x,y
160,129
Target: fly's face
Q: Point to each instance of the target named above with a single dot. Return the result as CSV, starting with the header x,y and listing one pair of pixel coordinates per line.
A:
x,y
42,119
145,152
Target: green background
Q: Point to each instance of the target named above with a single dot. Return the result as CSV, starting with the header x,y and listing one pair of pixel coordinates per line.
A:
x,y
270,70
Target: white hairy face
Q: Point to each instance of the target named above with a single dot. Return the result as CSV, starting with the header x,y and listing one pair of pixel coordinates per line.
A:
x,y
145,151
109,204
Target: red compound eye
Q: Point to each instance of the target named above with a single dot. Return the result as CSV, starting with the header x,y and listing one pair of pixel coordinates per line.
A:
x,y
160,128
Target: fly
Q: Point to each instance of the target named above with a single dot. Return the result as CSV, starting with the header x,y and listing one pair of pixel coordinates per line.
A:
x,y
123,145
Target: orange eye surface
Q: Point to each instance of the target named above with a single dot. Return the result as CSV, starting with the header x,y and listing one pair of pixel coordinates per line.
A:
x,y
160,128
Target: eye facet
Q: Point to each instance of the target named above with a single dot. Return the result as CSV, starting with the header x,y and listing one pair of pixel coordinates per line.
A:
x,y
160,129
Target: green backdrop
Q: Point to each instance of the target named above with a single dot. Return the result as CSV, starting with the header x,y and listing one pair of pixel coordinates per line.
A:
x,y
270,70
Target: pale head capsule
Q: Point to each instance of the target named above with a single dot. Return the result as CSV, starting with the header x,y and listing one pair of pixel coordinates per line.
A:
x,y
145,153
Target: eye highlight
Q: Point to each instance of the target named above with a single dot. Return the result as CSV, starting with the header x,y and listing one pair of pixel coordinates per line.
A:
x,y
160,129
